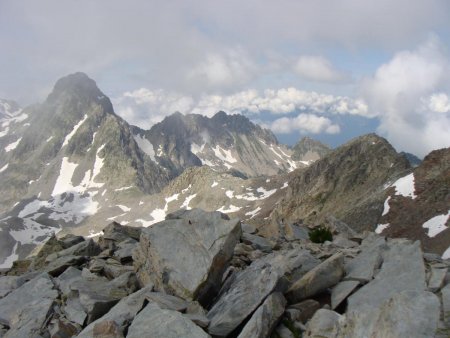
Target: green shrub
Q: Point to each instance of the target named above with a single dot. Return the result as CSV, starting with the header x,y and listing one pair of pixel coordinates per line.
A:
x,y
320,234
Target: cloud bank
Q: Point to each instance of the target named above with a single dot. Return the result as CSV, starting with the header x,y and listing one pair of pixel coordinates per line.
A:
x,y
410,96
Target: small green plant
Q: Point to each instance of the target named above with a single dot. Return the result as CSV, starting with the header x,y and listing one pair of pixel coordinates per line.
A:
x,y
320,234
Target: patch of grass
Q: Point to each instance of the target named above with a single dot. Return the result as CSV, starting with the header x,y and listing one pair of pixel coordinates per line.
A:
x,y
320,234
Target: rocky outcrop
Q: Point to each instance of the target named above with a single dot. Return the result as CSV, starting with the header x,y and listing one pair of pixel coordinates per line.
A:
x,y
309,150
204,244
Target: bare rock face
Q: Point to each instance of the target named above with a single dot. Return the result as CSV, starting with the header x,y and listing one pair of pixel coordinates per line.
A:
x,y
186,254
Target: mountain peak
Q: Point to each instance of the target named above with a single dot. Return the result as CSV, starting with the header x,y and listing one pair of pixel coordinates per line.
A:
x,y
76,85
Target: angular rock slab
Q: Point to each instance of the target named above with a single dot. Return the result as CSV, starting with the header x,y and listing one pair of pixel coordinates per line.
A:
x,y
341,291
10,283
154,322
25,309
187,254
403,269
362,267
121,314
245,294
264,320
323,276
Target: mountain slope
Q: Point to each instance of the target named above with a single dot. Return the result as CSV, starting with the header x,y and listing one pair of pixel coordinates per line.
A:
x,y
64,158
417,206
223,142
347,183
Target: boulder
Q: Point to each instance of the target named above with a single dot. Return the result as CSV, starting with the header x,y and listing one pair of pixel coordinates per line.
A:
x,y
10,283
60,264
403,269
26,309
265,318
362,267
324,324
257,242
115,233
245,294
155,322
323,276
437,278
125,249
187,254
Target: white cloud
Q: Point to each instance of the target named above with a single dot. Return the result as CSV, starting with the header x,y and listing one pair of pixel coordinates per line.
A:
x,y
225,70
408,94
318,68
144,107
305,123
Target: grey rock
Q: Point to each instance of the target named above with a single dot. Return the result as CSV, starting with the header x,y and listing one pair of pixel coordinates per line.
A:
x,y
248,228
121,314
292,314
74,310
265,318
363,266
60,264
85,248
166,301
307,309
187,254
257,242
446,304
10,283
198,319
283,332
25,309
70,240
343,242
245,294
341,291
67,278
296,232
125,249
323,276
402,270
62,328
412,314
324,324
154,322
113,269
437,277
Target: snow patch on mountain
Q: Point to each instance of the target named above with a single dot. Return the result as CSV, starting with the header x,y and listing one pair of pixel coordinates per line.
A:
x,y
231,208
74,130
145,146
380,228
187,201
13,145
2,169
405,186
386,206
436,224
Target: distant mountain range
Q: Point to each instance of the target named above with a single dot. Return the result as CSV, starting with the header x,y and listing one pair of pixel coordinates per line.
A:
x,y
71,164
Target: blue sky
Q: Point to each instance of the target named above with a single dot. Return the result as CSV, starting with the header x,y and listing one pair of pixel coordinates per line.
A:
x,y
331,70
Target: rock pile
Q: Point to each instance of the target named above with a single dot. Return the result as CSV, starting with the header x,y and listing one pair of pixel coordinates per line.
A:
x,y
200,274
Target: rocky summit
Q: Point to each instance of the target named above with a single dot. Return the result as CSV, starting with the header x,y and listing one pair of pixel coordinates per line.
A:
x,y
209,276
210,227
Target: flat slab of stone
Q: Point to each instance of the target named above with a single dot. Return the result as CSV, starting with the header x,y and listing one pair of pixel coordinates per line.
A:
x,y
186,254
25,309
10,283
323,276
155,322
257,242
341,291
264,320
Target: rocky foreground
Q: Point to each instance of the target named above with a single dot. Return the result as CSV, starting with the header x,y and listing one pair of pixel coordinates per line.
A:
x,y
200,274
